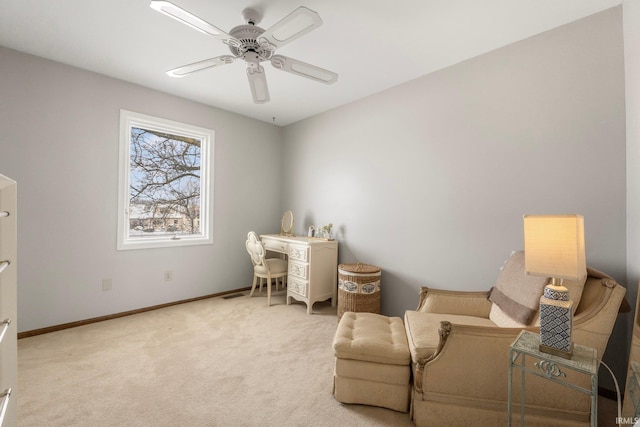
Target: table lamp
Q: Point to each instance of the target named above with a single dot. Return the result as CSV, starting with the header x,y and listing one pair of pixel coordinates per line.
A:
x,y
554,248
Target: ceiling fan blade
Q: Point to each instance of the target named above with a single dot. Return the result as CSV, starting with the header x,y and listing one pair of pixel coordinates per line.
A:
x,y
187,18
303,69
201,65
294,25
258,83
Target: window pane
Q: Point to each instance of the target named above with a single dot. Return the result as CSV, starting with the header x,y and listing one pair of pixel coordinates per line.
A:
x,y
164,189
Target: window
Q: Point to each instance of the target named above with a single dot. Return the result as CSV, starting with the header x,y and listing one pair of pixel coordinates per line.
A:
x,y
165,183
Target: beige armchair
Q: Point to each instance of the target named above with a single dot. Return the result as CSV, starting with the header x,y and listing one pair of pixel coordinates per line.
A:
x,y
460,359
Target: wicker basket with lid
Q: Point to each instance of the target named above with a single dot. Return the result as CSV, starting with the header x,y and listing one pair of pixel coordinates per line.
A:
x,y
358,288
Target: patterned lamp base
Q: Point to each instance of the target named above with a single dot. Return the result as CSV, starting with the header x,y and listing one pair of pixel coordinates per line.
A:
x,y
556,320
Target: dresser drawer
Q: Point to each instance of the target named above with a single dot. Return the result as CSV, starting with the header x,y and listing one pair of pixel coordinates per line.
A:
x,y
297,287
275,245
298,269
300,253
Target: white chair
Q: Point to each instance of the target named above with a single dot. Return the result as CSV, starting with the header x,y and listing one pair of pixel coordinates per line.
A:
x,y
264,268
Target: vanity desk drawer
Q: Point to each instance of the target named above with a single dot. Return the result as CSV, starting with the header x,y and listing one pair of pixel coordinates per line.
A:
x,y
275,245
297,286
298,269
300,253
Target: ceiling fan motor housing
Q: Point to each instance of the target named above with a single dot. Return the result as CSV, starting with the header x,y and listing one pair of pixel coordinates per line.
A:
x,y
246,36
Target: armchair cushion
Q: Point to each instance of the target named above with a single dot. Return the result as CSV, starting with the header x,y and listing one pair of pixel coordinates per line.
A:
x,y
422,330
515,293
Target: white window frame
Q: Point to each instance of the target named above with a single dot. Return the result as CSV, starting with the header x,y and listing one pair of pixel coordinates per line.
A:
x,y
129,119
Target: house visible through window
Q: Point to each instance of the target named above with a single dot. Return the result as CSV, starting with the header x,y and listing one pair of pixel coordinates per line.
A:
x,y
164,183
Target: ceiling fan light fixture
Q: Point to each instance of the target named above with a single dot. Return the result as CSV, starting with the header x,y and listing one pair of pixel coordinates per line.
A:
x,y
252,59
254,45
171,10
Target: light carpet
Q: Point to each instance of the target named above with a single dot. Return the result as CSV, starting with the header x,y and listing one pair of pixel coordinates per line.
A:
x,y
213,362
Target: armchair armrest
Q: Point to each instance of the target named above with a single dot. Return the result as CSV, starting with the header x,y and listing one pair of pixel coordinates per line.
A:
x,y
454,365
470,366
440,301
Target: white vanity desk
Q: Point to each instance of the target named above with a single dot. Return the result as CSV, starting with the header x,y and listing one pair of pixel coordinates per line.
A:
x,y
313,267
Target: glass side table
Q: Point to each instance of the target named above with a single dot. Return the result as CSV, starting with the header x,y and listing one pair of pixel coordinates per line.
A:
x,y
633,388
551,367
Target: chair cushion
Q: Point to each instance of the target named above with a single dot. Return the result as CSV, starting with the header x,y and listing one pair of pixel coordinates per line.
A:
x,y
371,337
516,293
422,330
276,266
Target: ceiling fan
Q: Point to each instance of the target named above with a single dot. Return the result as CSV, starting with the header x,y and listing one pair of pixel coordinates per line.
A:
x,y
254,45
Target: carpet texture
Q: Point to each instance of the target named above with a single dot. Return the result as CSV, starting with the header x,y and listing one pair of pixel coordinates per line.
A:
x,y
213,362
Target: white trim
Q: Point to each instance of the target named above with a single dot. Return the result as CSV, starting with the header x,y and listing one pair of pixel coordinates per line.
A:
x,y
129,119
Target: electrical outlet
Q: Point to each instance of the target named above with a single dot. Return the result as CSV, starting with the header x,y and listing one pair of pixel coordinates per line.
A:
x,y
106,284
168,276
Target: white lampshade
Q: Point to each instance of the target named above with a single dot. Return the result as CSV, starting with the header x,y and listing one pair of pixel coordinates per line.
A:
x,y
554,246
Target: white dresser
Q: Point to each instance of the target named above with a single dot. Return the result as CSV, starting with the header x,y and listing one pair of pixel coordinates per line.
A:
x,y
8,302
313,267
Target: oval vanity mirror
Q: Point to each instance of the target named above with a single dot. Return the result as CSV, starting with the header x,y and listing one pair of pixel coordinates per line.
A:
x,y
286,228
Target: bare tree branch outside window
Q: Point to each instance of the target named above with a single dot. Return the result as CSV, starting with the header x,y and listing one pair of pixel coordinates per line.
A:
x,y
164,190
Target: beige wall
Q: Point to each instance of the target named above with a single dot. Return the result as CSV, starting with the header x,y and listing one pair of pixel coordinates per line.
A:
x,y
59,140
632,90
429,180
631,25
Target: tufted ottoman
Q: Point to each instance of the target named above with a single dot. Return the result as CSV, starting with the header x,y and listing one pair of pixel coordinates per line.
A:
x,y
372,361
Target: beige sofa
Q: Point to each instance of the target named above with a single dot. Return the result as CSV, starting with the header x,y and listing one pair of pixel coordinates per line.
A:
x,y
459,359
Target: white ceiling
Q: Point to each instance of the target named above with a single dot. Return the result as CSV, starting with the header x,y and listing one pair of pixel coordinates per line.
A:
x,y
372,45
